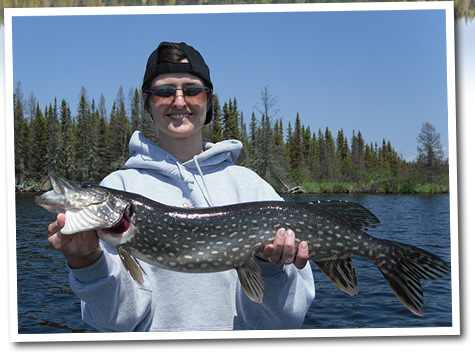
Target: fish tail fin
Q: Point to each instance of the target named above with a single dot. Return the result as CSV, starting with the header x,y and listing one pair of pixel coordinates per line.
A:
x,y
404,277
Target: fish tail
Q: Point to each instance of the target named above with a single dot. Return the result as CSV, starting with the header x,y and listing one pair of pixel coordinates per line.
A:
x,y
404,272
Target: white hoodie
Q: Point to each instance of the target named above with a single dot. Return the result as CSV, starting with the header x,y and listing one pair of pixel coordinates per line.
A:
x,y
173,301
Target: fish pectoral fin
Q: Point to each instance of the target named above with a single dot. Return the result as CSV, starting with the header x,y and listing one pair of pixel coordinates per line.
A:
x,y
131,265
252,282
342,273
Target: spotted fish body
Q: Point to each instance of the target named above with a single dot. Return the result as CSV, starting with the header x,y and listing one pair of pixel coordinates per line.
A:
x,y
205,240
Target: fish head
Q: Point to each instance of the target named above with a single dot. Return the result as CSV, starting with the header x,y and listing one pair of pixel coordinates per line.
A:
x,y
87,206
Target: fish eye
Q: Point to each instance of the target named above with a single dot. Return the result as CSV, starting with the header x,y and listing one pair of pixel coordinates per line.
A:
x,y
85,185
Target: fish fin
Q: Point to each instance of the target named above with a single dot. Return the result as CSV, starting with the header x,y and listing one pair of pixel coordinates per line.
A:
x,y
342,273
252,282
131,265
352,212
404,279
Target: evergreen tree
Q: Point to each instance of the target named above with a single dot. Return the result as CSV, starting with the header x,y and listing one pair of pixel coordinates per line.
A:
x,y
244,156
217,123
102,106
357,150
39,134
328,160
295,146
52,123
120,132
103,144
278,133
66,159
84,140
231,120
307,146
21,136
369,158
253,127
137,123
342,149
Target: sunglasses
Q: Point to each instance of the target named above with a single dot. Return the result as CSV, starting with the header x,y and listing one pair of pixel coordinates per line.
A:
x,y
193,94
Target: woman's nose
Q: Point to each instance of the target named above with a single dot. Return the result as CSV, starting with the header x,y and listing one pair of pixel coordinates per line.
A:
x,y
179,98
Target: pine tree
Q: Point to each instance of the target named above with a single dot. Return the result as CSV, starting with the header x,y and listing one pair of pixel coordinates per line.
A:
x,y
342,149
244,156
278,133
295,146
369,158
53,137
103,144
231,120
253,127
21,136
217,123
328,160
136,123
84,140
39,134
357,150
307,146
120,132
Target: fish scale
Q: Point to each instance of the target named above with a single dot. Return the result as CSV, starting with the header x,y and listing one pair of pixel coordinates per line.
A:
x,y
204,240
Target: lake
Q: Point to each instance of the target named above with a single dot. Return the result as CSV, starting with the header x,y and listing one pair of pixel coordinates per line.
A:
x,y
46,303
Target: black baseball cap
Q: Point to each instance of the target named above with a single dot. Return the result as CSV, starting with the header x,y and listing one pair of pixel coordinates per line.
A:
x,y
196,66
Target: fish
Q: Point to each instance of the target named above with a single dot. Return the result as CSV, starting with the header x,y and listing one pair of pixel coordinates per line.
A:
x,y
214,239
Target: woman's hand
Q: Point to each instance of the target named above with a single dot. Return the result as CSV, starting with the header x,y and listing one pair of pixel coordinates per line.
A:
x,y
282,251
80,249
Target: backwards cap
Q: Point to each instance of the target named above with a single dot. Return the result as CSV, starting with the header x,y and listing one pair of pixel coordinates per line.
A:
x,y
196,64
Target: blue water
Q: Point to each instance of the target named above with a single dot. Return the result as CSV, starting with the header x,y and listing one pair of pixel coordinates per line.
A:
x,y
46,304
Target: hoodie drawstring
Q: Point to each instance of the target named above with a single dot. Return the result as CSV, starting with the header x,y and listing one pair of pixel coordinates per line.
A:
x,y
208,197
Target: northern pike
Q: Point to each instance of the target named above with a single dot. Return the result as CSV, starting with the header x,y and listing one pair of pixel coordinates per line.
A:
x,y
213,239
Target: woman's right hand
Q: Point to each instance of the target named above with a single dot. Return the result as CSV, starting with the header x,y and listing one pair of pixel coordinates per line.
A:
x,y
80,249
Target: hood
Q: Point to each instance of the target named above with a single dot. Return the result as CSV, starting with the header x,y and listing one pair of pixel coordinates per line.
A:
x,y
145,154
190,175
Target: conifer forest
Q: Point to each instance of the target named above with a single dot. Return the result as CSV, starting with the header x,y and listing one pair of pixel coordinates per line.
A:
x,y
85,141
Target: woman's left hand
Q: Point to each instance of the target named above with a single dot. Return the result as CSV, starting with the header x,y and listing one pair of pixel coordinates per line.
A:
x,y
282,251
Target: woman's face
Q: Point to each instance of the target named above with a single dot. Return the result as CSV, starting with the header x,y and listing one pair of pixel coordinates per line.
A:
x,y
178,116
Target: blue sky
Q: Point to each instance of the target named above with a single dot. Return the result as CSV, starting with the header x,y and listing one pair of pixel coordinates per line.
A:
x,y
381,72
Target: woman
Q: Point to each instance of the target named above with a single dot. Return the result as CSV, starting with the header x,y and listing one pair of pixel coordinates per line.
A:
x,y
183,171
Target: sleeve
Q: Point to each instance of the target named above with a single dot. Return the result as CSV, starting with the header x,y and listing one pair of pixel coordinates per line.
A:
x,y
110,299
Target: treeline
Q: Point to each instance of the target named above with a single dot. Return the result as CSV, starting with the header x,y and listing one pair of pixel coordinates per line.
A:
x,y
85,143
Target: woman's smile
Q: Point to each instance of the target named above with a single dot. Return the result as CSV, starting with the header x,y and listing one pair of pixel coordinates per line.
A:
x,y
180,116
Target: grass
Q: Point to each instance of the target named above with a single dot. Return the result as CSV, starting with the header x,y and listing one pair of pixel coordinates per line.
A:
x,y
382,187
